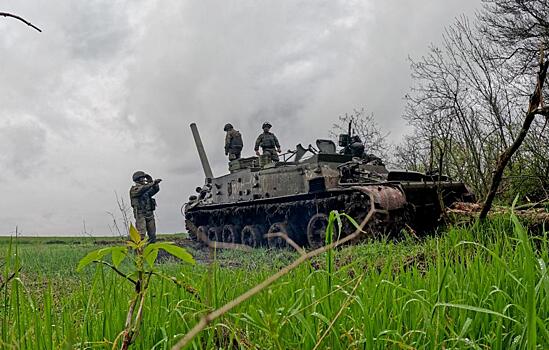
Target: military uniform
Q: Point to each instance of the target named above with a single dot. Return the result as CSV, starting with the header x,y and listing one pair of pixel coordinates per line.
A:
x,y
143,204
233,144
355,148
269,144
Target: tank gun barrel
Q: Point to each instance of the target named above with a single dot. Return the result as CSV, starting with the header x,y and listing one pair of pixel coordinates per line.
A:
x,y
201,152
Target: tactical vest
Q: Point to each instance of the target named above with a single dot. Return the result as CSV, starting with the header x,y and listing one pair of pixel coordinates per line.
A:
x,y
143,203
268,141
236,141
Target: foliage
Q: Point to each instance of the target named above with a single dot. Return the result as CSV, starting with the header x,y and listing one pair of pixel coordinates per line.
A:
x,y
143,268
480,286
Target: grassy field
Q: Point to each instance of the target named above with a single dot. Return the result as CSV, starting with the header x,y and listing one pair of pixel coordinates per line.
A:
x,y
468,287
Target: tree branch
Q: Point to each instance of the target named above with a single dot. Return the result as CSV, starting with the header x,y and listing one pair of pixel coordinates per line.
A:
x,y
288,240
344,305
187,287
117,271
6,14
504,158
544,111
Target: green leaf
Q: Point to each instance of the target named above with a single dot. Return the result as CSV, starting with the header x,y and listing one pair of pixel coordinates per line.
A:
x,y
85,261
93,256
151,257
496,257
476,309
176,251
142,243
353,221
321,317
465,327
134,234
133,274
150,253
118,255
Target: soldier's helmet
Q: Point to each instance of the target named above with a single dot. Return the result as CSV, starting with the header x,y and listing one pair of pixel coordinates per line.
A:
x,y
266,125
138,174
227,127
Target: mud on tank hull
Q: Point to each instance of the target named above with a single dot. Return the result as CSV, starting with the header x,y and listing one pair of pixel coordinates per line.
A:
x,y
304,217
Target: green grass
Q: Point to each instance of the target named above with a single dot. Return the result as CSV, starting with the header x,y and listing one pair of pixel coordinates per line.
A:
x,y
470,287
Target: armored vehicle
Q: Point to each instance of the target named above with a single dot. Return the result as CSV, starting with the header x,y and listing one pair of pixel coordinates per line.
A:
x,y
296,195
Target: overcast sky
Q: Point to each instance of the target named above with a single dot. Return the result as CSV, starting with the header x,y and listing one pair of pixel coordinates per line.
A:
x,y
110,87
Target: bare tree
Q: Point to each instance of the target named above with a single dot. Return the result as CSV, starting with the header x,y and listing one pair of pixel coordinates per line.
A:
x,y
365,126
518,27
413,154
535,108
469,95
463,102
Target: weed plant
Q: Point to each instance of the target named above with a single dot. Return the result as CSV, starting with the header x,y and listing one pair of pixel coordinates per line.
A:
x,y
471,287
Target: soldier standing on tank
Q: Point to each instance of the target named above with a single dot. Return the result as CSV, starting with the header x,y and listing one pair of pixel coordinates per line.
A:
x,y
143,203
268,143
356,148
233,142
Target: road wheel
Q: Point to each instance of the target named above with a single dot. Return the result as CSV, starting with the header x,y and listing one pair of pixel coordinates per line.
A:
x,y
278,242
214,234
316,230
202,233
231,234
252,235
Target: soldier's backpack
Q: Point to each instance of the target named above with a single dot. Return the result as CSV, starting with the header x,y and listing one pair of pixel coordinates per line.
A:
x,y
236,141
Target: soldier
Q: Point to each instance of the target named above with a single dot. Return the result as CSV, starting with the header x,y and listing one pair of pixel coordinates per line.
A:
x,y
143,203
268,143
233,142
356,148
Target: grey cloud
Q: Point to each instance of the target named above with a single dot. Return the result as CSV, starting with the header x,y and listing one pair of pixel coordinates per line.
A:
x,y
97,28
113,86
60,75
248,63
22,147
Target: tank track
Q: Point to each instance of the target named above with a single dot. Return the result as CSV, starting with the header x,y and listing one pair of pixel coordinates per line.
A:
x,y
302,218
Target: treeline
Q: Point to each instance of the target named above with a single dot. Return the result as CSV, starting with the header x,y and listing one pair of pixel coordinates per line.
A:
x,y
469,100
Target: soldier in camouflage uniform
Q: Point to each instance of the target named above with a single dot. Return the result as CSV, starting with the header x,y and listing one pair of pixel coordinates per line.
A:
x,y
356,147
143,203
268,143
233,142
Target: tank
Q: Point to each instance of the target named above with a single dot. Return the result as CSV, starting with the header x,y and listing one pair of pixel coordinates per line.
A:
x,y
295,195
